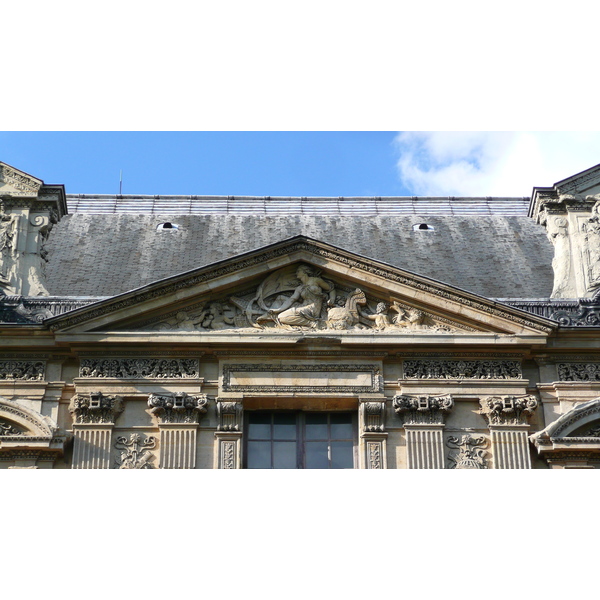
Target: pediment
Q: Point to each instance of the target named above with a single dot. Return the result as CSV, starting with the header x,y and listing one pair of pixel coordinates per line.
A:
x,y
300,286
585,183
14,182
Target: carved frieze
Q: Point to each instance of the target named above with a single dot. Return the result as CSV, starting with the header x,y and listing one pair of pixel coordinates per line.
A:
x,y
140,368
135,452
229,415
462,369
374,453
178,407
508,410
95,407
470,452
22,369
22,183
578,371
430,410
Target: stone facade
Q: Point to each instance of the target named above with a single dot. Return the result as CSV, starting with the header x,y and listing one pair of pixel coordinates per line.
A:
x,y
299,354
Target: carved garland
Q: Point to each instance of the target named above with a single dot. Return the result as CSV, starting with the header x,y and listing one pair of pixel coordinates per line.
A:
x,y
213,273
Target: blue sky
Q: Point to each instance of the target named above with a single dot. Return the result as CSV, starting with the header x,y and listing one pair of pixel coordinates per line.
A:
x,y
475,163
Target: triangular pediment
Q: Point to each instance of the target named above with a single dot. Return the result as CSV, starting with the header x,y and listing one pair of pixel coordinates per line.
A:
x,y
300,286
585,183
14,182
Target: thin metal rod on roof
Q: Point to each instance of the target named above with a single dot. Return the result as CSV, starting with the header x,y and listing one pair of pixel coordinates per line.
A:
x,y
121,182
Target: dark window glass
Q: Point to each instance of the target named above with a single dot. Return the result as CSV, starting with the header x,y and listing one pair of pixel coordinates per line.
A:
x,y
290,440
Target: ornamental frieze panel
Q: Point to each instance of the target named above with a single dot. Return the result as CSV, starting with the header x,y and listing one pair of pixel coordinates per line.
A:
x,y
462,369
140,368
309,378
578,371
178,407
302,298
22,370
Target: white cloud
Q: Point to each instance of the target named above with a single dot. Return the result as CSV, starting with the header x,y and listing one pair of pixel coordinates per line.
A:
x,y
501,163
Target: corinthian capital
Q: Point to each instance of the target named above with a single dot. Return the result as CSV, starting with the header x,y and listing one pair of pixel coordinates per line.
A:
x,y
95,407
430,410
178,408
508,410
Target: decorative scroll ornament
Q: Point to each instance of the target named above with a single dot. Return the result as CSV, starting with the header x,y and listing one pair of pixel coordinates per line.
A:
x,y
578,371
95,407
229,415
178,408
373,416
21,369
508,410
374,453
430,410
9,429
462,369
140,368
135,452
471,453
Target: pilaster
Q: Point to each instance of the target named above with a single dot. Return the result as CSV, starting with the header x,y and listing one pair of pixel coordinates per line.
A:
x,y
424,422
508,418
373,437
94,418
228,437
179,416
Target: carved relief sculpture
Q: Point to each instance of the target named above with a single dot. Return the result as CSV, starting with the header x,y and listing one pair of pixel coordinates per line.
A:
x,y
178,408
140,368
9,429
8,234
591,239
471,452
135,452
21,369
462,369
557,231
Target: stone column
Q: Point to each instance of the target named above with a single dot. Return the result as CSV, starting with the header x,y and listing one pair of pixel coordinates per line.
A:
x,y
228,437
179,416
373,437
94,418
424,426
508,418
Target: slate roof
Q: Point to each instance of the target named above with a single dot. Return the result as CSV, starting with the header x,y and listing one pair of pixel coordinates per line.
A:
x,y
110,244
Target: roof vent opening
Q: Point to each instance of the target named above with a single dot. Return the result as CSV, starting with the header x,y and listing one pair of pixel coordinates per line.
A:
x,y
423,227
167,225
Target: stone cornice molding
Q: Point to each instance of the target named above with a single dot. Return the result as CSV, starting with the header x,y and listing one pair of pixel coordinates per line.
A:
x,y
178,407
423,409
508,410
95,407
299,244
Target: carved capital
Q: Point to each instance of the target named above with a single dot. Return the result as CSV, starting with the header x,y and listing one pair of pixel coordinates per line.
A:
x,y
372,416
508,410
178,408
423,409
470,452
95,407
229,415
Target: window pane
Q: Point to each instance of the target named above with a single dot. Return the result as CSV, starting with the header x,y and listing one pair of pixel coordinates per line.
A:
x,y
259,455
341,426
259,426
342,455
284,455
284,426
315,426
316,455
